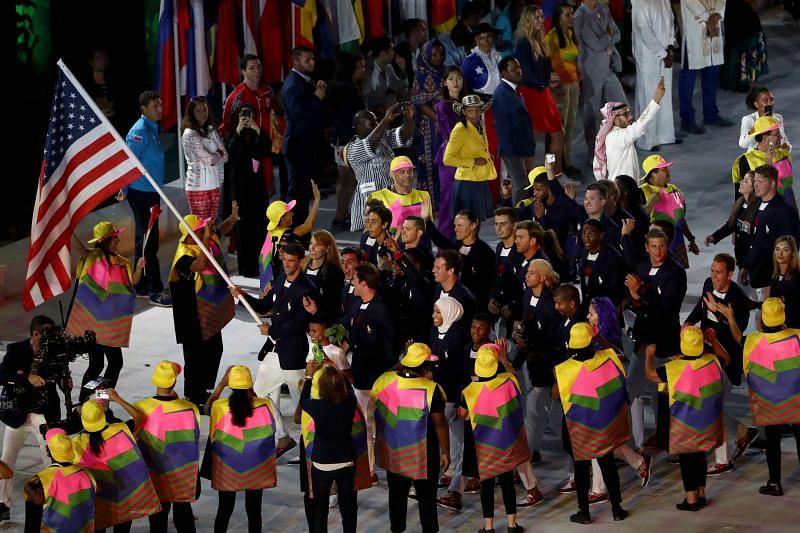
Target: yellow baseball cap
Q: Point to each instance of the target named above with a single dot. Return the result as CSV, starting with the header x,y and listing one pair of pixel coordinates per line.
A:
x,y
580,336
165,374
692,341
653,162
765,124
486,360
416,354
104,230
239,378
773,312
60,445
533,174
93,416
400,162
275,212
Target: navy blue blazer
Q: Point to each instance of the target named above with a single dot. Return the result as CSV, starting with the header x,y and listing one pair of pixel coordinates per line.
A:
x,y
304,114
512,122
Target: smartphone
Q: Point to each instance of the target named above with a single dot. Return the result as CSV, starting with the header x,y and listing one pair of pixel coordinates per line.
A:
x,y
768,110
550,158
93,384
247,113
101,394
403,107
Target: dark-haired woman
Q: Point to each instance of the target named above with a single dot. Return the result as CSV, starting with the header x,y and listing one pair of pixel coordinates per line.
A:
x,y
109,452
762,102
104,301
786,278
248,145
328,399
564,58
453,90
740,220
205,159
425,93
242,435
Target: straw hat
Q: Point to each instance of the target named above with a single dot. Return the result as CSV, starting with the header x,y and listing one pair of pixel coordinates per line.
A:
x,y
165,374
471,100
93,416
60,445
773,312
692,341
486,361
239,378
104,230
417,354
194,222
580,336
275,212
399,163
653,162
765,124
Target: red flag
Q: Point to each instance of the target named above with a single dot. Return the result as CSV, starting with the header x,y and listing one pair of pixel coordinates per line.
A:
x,y
155,211
265,25
443,15
226,47
84,163
374,15
165,64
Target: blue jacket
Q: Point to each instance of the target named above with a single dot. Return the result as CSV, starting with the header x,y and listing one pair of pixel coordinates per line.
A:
x,y
513,124
304,114
143,140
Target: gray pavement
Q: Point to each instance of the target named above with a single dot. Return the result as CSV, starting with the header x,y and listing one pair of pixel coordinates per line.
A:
x,y
702,170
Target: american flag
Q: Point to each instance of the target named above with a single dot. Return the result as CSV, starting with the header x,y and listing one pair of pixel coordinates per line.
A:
x,y
85,162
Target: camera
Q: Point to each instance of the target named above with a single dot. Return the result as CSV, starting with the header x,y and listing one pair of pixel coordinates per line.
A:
x,y
550,158
58,349
247,112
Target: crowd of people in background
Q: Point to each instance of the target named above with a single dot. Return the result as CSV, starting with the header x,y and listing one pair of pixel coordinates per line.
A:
x,y
424,354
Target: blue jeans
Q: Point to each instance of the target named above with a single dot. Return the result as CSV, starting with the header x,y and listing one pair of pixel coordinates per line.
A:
x,y
709,78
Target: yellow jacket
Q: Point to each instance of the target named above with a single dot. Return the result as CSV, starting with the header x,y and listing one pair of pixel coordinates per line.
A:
x,y
464,146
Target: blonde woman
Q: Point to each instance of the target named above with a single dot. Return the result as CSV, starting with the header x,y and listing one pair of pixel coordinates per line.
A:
x,y
324,268
533,54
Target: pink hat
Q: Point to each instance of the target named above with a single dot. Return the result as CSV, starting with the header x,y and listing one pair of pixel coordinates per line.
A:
x,y
399,163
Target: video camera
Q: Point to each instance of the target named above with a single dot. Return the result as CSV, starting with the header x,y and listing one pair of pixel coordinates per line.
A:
x,y
58,349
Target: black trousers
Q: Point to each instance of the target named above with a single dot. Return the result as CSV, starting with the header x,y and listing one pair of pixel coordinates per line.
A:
x,y
140,203
252,505
774,434
183,517
201,361
693,470
398,502
348,497
114,356
283,175
302,166
608,467
506,480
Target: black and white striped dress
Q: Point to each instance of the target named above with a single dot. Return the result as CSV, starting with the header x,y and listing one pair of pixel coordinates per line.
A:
x,y
371,168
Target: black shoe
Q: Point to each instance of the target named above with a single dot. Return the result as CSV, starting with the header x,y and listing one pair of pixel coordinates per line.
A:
x,y
702,502
483,530
343,224
655,148
771,489
693,128
744,444
673,460
686,506
5,512
581,517
516,529
759,444
536,457
619,514
719,122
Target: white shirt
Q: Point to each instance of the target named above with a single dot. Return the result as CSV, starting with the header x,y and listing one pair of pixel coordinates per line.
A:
x,y
701,50
747,141
621,158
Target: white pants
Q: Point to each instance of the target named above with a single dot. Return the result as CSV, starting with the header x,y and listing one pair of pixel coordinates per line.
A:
x,y
364,399
540,411
455,427
730,427
270,377
639,387
13,440
625,453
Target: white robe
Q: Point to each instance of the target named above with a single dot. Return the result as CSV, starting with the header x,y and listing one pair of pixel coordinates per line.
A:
x,y
653,32
700,50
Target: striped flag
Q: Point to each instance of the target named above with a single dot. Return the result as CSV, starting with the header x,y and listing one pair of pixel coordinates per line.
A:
x,y
443,15
165,83
85,162
265,272
195,79
265,27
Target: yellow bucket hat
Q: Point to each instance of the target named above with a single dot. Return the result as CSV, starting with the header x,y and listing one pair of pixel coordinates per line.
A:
x,y
400,162
486,361
580,336
60,445
417,354
239,378
692,341
104,230
165,374
653,162
773,312
93,416
194,222
275,212
765,124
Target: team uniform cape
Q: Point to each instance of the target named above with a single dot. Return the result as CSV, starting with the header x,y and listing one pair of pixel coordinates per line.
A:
x,y
495,413
671,204
69,499
402,408
756,158
243,458
104,299
169,444
595,401
124,489
402,206
695,404
215,307
363,479
772,370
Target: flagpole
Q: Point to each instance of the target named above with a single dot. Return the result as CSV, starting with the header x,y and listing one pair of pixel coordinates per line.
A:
x,y
178,103
170,205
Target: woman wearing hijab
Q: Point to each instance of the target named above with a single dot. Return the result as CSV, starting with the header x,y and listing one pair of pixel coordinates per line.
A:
x,y
110,454
425,93
448,339
468,151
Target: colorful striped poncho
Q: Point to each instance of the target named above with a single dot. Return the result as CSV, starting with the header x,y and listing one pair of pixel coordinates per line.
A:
x,y
69,499
124,489
402,408
269,251
495,412
772,369
104,299
243,458
215,307
169,440
670,206
755,158
695,404
595,403
359,433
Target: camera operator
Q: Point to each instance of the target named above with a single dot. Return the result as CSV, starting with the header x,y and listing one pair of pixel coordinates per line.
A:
x,y
29,402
